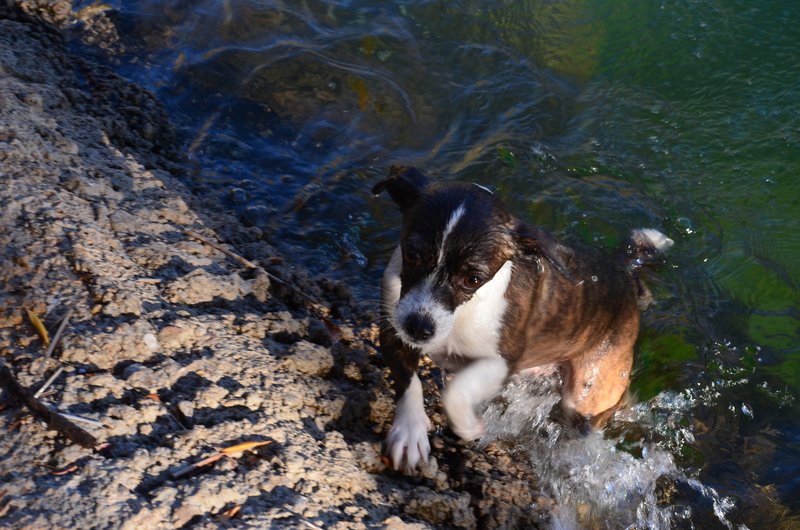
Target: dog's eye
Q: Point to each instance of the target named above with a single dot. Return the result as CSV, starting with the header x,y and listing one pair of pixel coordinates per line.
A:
x,y
471,281
412,257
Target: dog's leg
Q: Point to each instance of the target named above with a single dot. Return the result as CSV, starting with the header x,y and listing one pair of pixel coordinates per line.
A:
x,y
595,385
475,383
407,442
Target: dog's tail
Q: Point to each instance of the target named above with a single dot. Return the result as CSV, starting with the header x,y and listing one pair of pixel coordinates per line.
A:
x,y
646,246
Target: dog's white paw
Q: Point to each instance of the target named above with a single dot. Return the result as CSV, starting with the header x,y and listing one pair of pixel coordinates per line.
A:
x,y
407,443
461,415
468,427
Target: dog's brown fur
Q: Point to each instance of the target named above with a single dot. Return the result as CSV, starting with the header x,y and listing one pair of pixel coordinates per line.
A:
x,y
585,320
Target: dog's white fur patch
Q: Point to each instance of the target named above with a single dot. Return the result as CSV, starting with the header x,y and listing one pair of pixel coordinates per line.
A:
x,y
652,237
477,324
407,442
472,331
455,217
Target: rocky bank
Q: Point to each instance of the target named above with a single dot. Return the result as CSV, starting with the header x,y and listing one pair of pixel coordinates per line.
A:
x,y
174,350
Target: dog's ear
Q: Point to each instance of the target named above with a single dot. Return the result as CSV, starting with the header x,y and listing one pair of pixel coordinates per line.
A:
x,y
532,240
404,184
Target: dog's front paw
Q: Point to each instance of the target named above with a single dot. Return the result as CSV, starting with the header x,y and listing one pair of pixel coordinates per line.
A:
x,y
461,415
468,427
407,443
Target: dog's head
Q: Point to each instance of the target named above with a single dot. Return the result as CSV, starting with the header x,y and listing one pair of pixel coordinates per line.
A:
x,y
458,242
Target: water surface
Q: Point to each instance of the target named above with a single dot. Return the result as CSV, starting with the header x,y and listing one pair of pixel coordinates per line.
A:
x,y
589,118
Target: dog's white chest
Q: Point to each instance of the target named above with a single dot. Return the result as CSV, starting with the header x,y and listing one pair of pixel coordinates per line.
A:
x,y
477,324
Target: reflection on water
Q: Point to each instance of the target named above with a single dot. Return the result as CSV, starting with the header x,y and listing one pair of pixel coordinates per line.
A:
x,y
589,117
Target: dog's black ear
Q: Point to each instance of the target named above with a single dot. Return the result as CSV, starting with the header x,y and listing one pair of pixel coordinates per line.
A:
x,y
404,184
532,240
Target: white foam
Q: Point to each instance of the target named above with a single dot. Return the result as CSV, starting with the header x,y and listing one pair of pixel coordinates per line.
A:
x,y
592,481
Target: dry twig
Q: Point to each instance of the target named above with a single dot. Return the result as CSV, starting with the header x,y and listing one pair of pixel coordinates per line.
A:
x,y
49,382
230,514
55,340
37,323
90,421
247,263
166,409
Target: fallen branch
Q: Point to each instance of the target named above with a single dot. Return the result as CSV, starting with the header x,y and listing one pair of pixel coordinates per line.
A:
x,y
55,421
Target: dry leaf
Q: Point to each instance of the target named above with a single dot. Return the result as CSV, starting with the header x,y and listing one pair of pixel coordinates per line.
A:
x,y
67,470
228,451
194,467
230,514
37,323
243,447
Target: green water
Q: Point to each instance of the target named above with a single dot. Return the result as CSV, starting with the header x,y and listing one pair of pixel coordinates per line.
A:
x,y
588,117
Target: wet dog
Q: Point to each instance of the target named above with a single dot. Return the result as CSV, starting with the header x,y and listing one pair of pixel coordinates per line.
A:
x,y
486,295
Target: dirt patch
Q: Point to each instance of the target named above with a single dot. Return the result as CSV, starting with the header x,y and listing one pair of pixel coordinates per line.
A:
x,y
175,350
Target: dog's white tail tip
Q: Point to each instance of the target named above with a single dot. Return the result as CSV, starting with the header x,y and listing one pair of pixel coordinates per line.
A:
x,y
650,237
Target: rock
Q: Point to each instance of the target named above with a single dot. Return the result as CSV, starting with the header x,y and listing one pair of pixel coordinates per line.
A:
x,y
174,336
308,358
186,408
105,349
438,509
395,523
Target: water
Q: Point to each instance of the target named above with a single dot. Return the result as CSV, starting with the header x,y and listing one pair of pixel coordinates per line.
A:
x,y
588,117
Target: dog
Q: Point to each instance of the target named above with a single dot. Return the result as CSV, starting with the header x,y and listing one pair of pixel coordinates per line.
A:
x,y
486,295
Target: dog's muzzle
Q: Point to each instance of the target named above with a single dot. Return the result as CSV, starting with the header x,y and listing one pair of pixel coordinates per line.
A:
x,y
419,327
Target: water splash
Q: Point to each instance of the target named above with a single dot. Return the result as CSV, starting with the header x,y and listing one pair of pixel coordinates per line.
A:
x,y
595,481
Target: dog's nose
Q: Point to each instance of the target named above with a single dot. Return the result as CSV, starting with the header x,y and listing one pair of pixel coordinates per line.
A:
x,y
419,327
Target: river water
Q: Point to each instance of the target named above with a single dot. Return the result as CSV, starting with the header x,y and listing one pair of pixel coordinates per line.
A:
x,y
589,117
